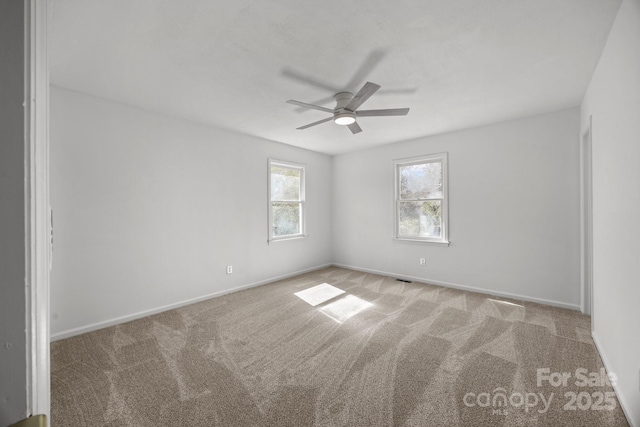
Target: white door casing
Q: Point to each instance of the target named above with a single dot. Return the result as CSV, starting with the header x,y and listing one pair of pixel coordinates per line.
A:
x,y
38,215
586,222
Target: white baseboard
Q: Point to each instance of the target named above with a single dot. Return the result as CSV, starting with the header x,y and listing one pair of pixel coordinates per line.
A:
x,y
575,307
619,395
122,319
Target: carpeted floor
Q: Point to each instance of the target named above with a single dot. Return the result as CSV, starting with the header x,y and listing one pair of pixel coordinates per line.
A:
x,y
381,353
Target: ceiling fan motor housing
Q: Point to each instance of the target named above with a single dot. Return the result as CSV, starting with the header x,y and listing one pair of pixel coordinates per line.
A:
x,y
341,115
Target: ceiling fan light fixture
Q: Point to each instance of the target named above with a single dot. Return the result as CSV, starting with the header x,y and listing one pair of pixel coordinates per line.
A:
x,y
344,119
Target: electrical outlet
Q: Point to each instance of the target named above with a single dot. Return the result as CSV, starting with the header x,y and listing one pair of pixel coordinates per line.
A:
x,y
229,269
423,261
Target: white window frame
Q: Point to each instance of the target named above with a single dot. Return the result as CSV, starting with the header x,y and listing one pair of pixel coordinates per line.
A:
x,y
301,168
432,158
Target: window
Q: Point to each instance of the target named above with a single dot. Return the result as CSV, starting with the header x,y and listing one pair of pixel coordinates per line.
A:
x,y
421,199
286,200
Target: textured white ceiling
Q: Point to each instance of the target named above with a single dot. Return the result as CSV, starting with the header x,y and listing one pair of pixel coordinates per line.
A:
x,y
233,64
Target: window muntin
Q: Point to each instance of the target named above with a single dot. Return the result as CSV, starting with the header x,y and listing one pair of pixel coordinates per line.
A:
x,y
421,199
286,200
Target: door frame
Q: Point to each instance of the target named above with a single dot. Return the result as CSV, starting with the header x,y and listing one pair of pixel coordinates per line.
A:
x,y
586,220
38,212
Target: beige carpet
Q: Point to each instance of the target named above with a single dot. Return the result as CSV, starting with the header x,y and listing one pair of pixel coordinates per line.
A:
x,y
382,353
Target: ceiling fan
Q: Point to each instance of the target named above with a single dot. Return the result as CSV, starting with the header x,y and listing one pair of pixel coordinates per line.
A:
x,y
346,110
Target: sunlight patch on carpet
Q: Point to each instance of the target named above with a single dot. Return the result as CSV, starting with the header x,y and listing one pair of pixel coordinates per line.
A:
x,y
319,294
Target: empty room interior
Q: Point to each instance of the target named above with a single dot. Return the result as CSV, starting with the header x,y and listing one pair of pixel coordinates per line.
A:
x,y
280,213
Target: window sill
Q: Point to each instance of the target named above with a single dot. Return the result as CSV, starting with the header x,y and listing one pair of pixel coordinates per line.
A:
x,y
422,242
287,238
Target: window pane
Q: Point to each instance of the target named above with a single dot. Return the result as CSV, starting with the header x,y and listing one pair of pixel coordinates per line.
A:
x,y
286,219
422,181
420,219
285,183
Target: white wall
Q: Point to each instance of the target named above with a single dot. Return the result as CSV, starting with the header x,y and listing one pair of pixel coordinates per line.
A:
x,y
513,209
613,99
149,210
13,345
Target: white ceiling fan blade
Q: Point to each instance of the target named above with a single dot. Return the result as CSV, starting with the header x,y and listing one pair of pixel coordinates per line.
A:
x,y
386,112
354,127
363,94
304,104
315,123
